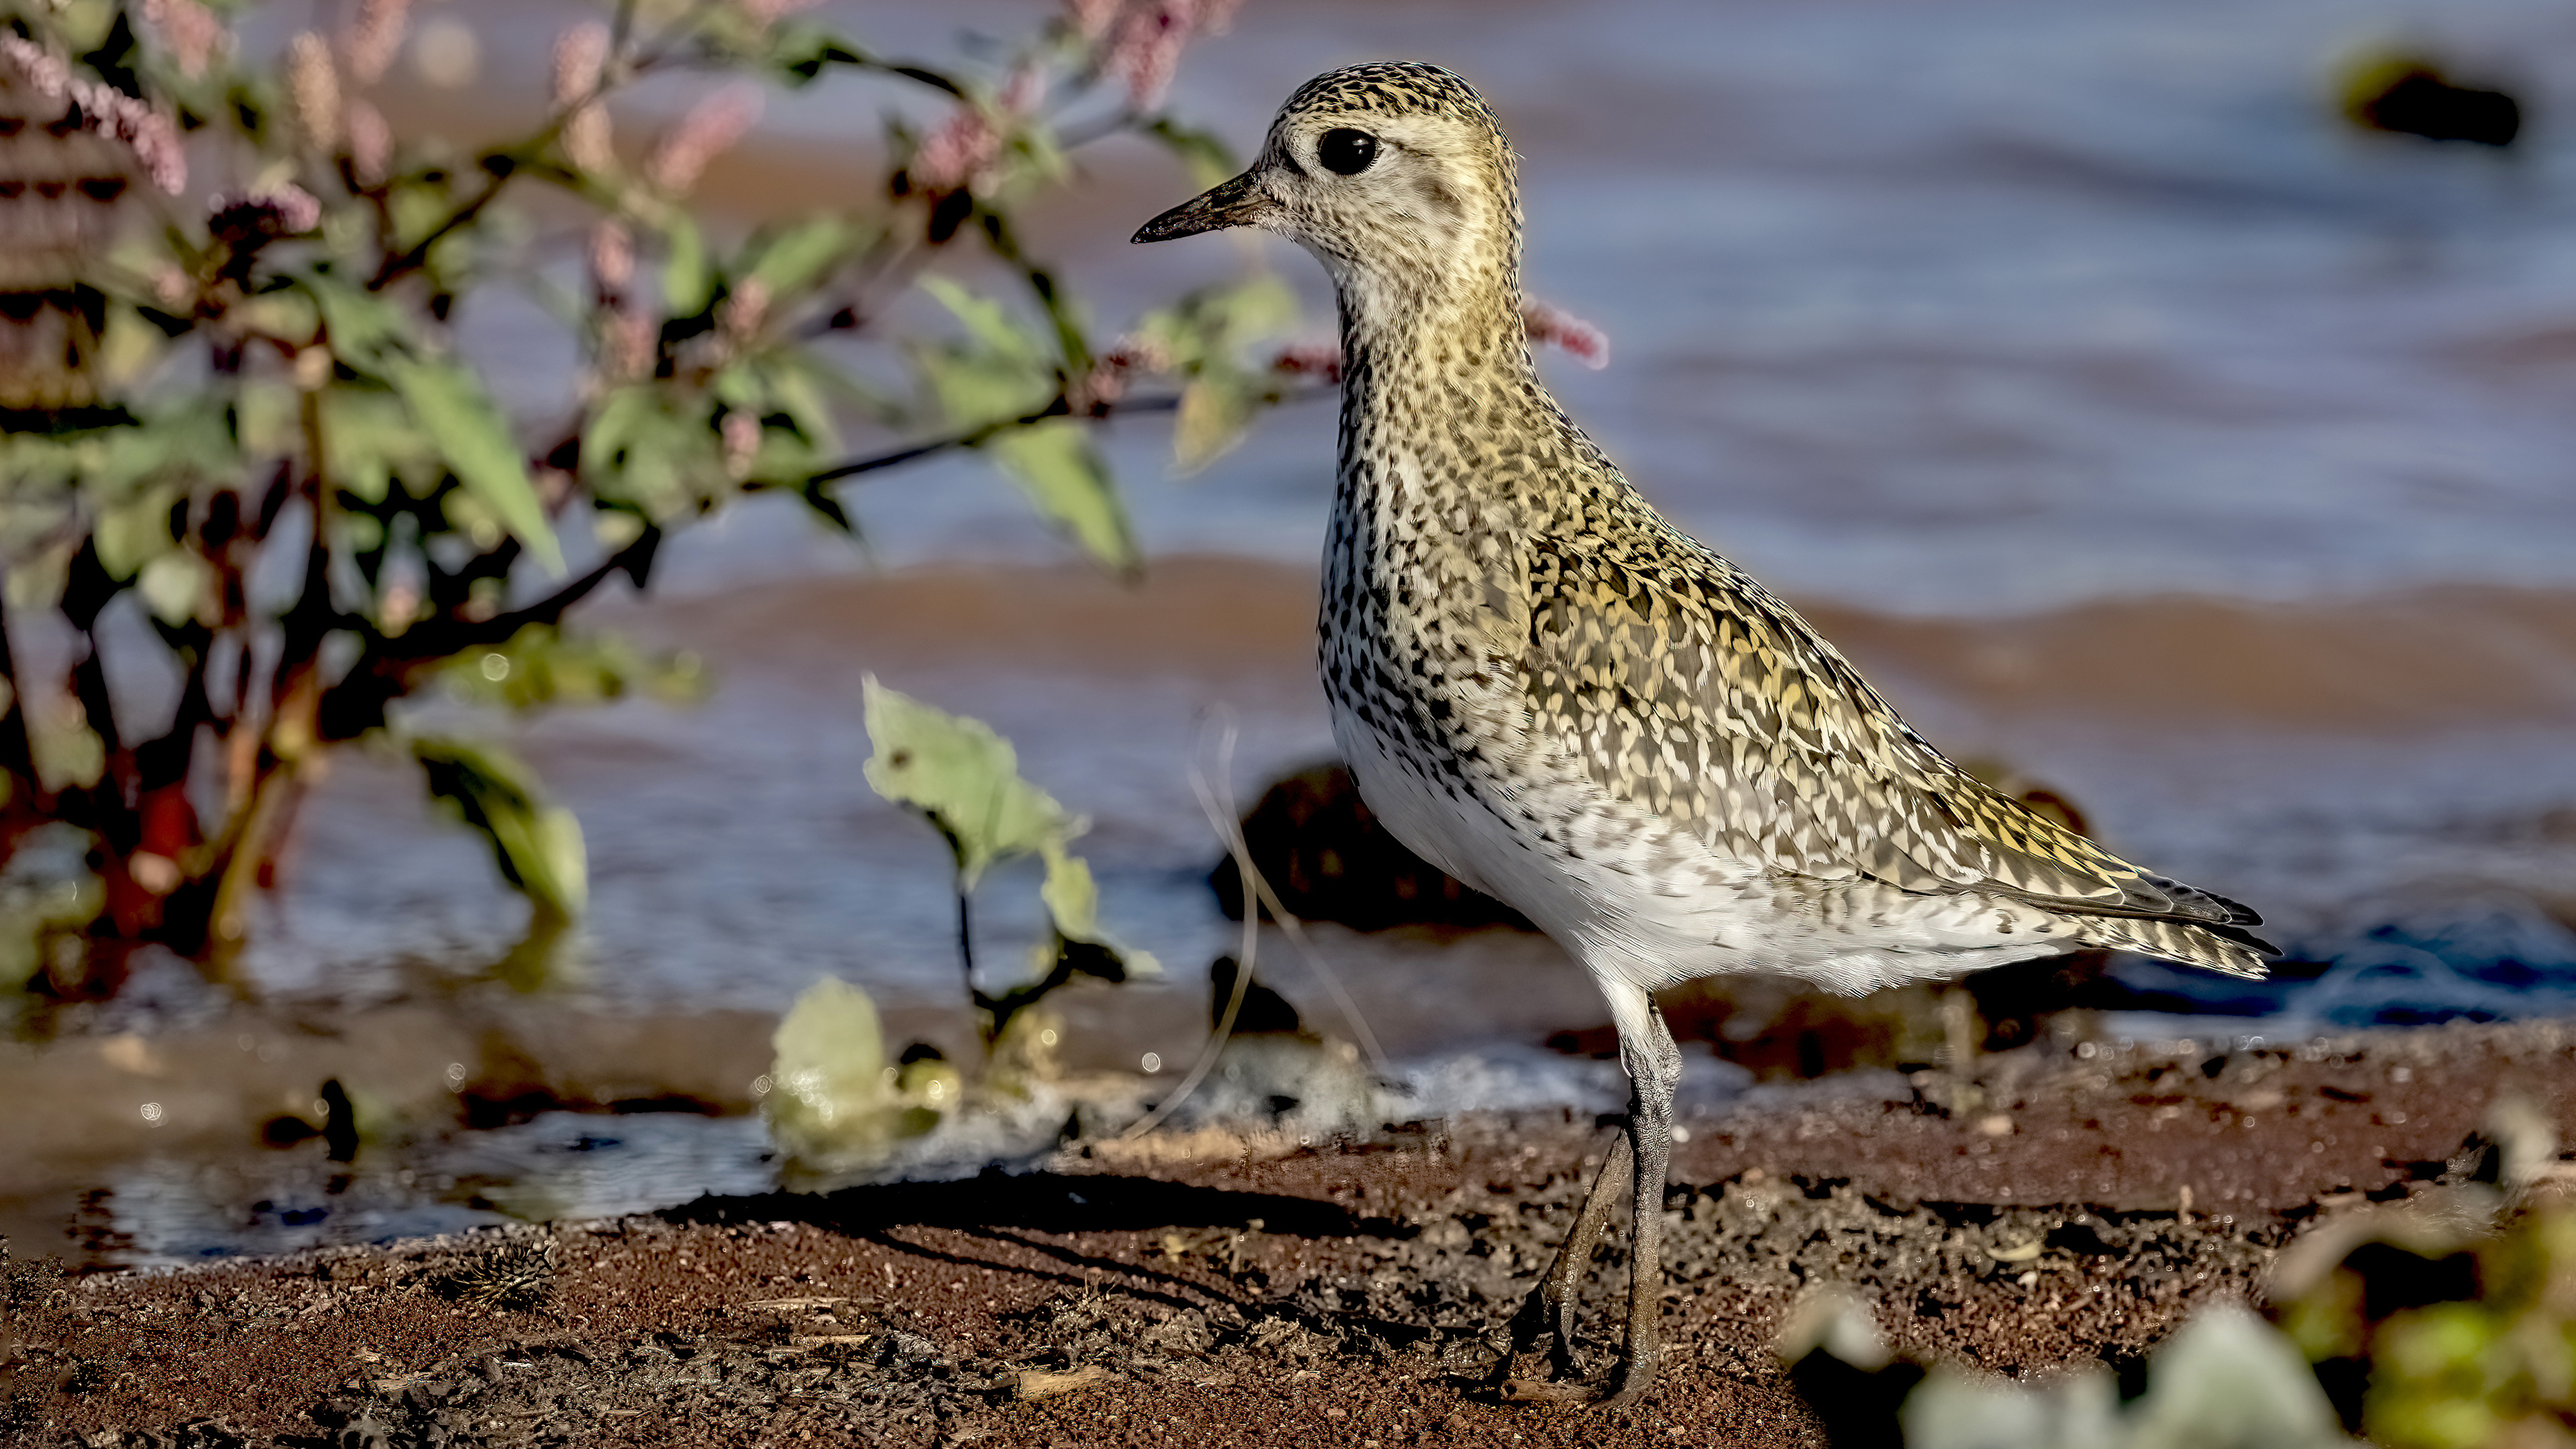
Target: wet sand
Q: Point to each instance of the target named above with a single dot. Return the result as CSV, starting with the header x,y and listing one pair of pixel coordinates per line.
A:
x,y
1234,1289
2402,662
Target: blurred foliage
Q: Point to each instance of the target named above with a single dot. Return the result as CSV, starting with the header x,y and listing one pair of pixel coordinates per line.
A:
x,y
242,435
2226,1380
2445,1321
2431,1342
835,1098
964,779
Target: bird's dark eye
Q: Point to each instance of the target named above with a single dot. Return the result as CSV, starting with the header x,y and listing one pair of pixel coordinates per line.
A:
x,y
1346,151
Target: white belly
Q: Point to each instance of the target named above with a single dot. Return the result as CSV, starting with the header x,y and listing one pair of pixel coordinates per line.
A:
x,y
1639,903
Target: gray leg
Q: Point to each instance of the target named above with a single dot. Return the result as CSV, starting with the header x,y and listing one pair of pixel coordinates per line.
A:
x,y
1654,1071
1642,1155
1549,1309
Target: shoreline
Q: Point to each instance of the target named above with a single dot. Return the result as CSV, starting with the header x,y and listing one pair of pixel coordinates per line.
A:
x,y
1224,1287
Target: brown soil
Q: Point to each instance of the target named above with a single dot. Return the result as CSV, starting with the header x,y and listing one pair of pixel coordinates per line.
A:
x,y
1209,1291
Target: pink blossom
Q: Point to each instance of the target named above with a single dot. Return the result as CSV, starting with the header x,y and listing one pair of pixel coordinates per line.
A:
x,y
1589,344
371,145
612,257
741,432
958,156
1147,49
1216,17
627,345
190,30
375,39
105,110
706,132
1110,372
1024,91
581,60
314,87
581,57
765,12
172,286
743,311
1091,18
282,210
1310,359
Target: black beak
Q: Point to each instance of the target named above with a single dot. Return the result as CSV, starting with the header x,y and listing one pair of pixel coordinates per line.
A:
x,y
1236,203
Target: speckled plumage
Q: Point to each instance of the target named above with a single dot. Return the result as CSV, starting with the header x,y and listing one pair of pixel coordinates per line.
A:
x,y
1552,693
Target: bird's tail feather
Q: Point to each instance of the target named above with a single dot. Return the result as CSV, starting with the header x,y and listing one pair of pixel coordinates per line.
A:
x,y
2231,949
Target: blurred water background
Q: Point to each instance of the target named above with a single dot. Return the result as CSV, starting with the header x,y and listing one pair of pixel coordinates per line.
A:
x,y
2126,414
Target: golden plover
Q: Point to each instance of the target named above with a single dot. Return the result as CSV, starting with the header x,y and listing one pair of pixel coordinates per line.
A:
x,y
1556,696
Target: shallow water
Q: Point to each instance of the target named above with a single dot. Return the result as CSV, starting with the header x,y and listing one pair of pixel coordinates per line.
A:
x,y
2119,411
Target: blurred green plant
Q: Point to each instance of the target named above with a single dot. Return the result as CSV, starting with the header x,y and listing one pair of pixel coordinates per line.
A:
x,y
2430,1341
242,435
964,779
2225,1380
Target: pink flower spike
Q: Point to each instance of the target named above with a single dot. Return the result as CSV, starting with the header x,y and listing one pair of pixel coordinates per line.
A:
x,y
764,13
1148,49
1092,18
371,145
104,110
744,309
710,128
581,56
313,84
48,76
1588,344
375,39
612,257
1025,91
741,434
192,32
959,156
283,210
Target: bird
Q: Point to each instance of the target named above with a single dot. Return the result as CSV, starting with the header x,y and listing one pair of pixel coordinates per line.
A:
x,y
1549,691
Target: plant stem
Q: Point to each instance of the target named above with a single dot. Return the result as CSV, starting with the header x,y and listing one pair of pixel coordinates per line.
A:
x,y
17,746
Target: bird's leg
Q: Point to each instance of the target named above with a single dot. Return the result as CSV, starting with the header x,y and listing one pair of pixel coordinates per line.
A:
x,y
1654,1071
1550,1307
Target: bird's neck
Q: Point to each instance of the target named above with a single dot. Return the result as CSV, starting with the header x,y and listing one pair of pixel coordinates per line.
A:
x,y
1443,413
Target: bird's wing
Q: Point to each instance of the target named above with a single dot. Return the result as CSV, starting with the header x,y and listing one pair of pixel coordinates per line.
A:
x,y
1681,685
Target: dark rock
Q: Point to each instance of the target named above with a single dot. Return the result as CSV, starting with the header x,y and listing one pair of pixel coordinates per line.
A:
x,y
1327,858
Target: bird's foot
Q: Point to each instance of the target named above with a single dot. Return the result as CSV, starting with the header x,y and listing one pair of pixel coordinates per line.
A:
x,y
1636,1380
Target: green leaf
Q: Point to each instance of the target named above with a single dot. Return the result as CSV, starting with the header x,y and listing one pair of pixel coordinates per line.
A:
x,y
965,778
452,408
543,665
1216,406
369,438
1055,464
538,846
640,452
833,1104
1072,900
987,321
177,585
364,329
1208,159
802,256
133,534
687,283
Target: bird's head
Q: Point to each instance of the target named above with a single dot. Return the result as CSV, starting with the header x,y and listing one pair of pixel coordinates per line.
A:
x,y
1396,176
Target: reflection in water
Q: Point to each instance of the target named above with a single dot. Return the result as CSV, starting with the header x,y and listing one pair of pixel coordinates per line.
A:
x,y
558,1165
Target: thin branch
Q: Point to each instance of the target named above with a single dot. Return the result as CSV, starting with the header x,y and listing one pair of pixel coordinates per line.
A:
x,y
978,436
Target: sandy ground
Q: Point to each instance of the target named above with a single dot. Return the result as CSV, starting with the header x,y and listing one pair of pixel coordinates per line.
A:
x,y
1237,1290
